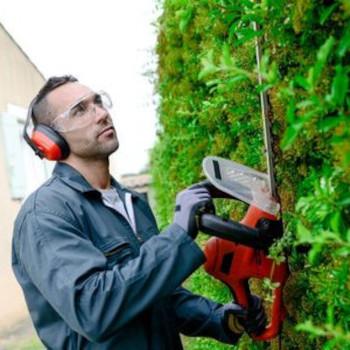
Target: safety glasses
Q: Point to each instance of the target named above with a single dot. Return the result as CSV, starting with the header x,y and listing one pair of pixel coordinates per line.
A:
x,y
83,112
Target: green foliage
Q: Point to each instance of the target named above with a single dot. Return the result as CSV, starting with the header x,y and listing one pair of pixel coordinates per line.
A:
x,y
27,344
209,105
323,223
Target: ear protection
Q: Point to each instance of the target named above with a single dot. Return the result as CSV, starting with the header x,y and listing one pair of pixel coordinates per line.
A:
x,y
44,140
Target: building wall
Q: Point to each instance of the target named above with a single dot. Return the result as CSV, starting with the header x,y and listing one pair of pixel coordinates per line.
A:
x,y
20,79
19,82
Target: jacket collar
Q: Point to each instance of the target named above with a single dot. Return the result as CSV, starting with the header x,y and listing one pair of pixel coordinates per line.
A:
x,y
74,179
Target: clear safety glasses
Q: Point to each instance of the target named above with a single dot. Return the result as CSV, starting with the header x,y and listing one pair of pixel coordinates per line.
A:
x,y
83,112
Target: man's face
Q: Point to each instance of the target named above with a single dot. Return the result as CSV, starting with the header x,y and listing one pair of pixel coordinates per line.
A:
x,y
96,137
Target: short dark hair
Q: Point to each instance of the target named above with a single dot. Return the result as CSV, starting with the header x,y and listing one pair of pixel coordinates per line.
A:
x,y
42,111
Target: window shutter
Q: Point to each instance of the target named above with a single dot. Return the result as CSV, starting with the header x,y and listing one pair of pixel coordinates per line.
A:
x,y
11,136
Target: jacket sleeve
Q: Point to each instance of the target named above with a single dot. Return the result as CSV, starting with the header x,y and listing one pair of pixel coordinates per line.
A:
x,y
196,316
72,274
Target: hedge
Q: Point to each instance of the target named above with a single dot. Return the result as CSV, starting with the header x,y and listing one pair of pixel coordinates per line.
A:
x,y
209,105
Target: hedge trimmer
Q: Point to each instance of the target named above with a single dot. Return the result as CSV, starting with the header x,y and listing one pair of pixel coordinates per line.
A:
x,y
239,250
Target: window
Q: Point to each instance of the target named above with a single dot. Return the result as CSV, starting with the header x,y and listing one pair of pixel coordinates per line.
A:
x,y
25,171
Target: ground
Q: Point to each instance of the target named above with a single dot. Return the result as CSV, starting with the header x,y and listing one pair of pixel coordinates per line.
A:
x,y
21,336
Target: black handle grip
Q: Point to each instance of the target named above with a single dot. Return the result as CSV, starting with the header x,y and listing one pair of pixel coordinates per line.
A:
x,y
232,231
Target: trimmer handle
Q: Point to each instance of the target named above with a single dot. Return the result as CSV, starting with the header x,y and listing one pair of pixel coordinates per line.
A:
x,y
250,236
234,264
234,231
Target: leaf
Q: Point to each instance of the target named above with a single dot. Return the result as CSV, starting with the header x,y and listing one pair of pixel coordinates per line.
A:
x,y
302,82
305,104
185,17
330,314
346,160
345,202
329,237
324,51
309,327
330,344
303,204
289,137
304,235
336,221
291,111
329,123
337,139
310,114
322,55
208,65
213,82
291,134
238,78
342,252
263,87
246,34
314,253
342,273
344,43
272,74
340,86
227,60
327,12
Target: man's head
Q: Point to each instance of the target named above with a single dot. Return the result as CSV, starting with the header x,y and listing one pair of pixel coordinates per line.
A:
x,y
79,115
42,111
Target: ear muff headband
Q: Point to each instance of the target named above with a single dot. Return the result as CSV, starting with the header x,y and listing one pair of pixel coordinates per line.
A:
x,y
45,141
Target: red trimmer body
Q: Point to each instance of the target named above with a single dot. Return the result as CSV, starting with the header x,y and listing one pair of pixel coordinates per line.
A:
x,y
234,264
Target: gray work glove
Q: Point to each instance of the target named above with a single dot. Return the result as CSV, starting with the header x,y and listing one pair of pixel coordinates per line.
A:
x,y
236,319
189,203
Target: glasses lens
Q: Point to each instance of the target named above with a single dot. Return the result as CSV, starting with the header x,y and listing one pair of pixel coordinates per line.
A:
x,y
105,99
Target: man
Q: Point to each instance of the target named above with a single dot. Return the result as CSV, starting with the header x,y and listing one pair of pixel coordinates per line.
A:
x,y
94,270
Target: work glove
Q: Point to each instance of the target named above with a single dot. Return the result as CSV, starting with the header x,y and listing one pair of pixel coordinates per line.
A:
x,y
236,319
190,203
270,230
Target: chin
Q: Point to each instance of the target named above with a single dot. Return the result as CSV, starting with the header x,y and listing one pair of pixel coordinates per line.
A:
x,y
112,148
115,149
97,151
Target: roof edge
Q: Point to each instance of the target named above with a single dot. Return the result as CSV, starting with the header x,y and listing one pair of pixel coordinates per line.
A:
x,y
23,52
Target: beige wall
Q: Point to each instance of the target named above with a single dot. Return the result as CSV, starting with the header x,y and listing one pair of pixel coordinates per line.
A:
x,y
19,78
19,82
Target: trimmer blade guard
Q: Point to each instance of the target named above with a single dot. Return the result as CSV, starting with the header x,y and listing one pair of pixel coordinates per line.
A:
x,y
241,182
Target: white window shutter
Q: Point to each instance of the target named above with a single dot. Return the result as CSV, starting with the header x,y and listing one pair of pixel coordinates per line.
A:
x,y
11,136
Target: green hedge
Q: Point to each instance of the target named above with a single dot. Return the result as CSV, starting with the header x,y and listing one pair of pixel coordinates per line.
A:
x,y
209,105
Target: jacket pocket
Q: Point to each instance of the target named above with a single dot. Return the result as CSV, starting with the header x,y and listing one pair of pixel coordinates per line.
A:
x,y
119,253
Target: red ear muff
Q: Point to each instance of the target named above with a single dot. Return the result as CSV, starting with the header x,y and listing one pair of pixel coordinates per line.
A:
x,y
49,142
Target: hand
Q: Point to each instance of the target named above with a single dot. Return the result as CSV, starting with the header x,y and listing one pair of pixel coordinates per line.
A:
x,y
252,320
232,320
270,230
256,319
189,203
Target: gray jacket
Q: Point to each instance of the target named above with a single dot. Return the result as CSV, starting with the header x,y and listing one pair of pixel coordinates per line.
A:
x,y
91,283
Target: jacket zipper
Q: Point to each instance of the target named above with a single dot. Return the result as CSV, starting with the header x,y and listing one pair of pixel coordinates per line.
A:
x,y
129,212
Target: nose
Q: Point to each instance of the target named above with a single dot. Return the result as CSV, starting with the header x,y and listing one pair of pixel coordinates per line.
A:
x,y
101,114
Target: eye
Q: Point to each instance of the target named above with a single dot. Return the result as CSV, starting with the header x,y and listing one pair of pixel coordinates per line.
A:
x,y
78,110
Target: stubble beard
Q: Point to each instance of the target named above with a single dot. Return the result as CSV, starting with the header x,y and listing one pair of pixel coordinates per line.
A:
x,y
103,151
94,150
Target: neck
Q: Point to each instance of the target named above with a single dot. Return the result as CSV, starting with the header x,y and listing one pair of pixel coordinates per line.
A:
x,y
95,171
